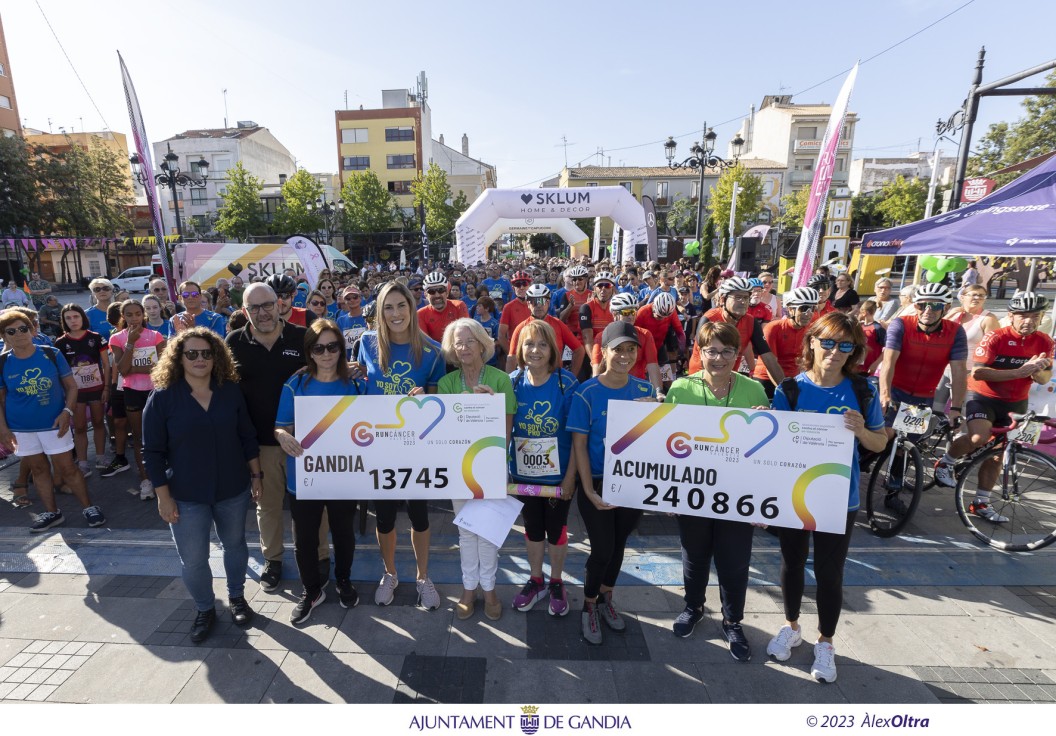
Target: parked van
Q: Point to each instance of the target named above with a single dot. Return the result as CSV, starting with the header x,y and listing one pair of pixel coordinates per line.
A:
x,y
133,279
204,263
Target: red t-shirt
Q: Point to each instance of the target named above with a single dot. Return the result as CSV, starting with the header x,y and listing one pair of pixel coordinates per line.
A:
x,y
785,341
745,326
659,328
297,316
433,323
874,343
578,299
595,316
561,332
646,354
1006,349
923,356
761,311
514,313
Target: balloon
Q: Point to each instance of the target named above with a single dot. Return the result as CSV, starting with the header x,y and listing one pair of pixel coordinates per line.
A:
x,y
928,263
942,264
692,248
958,264
935,277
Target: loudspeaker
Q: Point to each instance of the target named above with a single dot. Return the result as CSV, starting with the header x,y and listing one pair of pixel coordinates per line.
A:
x,y
641,252
748,260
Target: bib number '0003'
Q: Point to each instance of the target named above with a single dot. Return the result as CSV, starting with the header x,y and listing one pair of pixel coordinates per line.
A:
x,y
537,457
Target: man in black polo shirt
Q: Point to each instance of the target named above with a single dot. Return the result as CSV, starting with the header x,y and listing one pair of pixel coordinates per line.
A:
x,y
268,351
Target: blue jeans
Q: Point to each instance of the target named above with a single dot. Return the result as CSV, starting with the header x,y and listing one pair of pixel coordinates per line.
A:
x,y
191,534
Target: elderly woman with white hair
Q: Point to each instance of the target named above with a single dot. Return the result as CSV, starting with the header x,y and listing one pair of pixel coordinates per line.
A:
x,y
467,345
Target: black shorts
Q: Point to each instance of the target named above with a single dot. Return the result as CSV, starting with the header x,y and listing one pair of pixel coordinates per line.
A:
x,y
899,397
545,518
135,400
995,411
87,397
117,403
417,511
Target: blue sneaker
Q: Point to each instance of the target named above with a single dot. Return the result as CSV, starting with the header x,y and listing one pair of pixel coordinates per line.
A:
x,y
687,621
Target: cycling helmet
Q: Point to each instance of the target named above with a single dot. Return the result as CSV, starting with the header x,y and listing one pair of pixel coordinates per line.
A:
x,y
370,310
802,295
521,276
756,283
577,272
604,276
820,282
735,283
1024,302
932,293
537,291
280,283
664,304
619,302
436,278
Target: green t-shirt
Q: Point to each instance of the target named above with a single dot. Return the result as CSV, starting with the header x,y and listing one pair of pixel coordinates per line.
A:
x,y
746,392
492,377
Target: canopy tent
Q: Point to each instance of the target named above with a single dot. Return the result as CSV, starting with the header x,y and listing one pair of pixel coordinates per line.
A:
x,y
562,227
1018,220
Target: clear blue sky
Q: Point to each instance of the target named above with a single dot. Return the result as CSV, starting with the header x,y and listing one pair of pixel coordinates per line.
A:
x,y
517,76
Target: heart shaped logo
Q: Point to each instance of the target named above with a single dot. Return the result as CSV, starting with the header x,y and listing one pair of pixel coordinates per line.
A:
x,y
526,198
400,421
235,268
31,375
539,411
748,419
400,368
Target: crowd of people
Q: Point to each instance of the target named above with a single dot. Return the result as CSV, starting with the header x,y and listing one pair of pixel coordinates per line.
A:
x,y
205,388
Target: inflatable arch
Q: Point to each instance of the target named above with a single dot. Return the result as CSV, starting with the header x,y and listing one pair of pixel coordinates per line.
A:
x,y
563,227
539,205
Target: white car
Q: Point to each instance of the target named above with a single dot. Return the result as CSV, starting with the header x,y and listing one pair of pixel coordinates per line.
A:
x,y
135,279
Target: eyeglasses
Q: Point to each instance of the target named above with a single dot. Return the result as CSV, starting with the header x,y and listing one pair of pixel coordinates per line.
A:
x,y
578,278
284,295
712,353
325,287
466,345
828,343
330,347
739,297
434,292
97,289
767,283
266,306
543,300
975,296
683,291
933,306
206,354
317,303
352,297
603,285
629,312
159,289
16,330
803,308
186,294
416,288
521,284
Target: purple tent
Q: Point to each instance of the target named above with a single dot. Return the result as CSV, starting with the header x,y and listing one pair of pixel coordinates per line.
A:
x,y
1018,220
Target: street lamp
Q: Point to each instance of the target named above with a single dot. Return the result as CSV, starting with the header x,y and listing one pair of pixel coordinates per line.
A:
x,y
702,158
172,177
329,212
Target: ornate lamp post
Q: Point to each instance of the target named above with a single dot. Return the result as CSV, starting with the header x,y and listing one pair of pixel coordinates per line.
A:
x,y
171,177
702,158
329,212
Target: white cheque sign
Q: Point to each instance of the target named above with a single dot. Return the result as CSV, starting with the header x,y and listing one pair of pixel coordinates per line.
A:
x,y
401,447
781,468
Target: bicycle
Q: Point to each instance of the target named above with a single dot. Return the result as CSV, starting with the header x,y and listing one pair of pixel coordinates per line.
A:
x,y
933,445
1023,491
897,478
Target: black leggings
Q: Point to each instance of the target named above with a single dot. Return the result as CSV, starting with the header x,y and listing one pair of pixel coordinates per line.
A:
x,y
730,543
307,515
830,554
608,532
417,512
545,518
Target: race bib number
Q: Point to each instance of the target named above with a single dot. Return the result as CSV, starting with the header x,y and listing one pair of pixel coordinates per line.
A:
x,y
88,376
352,334
537,457
912,419
566,355
144,357
495,292
1028,434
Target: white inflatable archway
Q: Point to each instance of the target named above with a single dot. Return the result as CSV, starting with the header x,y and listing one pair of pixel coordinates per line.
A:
x,y
563,227
546,204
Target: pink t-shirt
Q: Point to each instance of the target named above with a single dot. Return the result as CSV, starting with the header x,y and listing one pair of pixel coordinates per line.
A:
x,y
145,352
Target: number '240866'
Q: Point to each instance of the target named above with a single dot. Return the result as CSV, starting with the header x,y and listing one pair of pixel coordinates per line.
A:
x,y
721,503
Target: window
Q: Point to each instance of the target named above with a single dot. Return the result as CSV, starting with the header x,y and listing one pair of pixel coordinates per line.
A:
x,y
355,163
353,135
400,187
804,164
196,172
839,164
3,72
220,166
807,134
402,133
592,183
694,190
626,185
400,161
5,101
198,196
95,269
661,192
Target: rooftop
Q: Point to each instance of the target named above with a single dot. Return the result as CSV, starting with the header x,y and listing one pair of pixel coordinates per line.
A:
x,y
239,132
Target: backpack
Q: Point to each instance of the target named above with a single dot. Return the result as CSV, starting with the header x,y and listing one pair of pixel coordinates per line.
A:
x,y
863,391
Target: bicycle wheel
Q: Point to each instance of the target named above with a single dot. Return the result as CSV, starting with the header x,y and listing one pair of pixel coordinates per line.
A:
x,y
932,447
1025,498
894,489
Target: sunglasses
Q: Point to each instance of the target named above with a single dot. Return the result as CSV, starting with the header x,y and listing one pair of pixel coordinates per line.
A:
x,y
186,294
579,278
603,285
330,347
159,289
520,284
16,330
434,292
828,343
266,306
625,312
933,306
352,297
683,291
545,300
803,308
284,295
416,288
317,304
206,354
97,289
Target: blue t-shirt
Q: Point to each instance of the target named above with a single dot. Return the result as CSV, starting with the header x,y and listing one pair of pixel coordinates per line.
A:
x,y
41,339
351,328
589,414
35,396
659,290
97,322
402,375
471,304
300,384
499,288
164,329
555,300
542,412
215,322
332,311
492,328
300,298
835,400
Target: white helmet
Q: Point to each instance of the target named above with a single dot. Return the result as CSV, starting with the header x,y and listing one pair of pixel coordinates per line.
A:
x,y
577,272
932,293
601,276
537,291
436,278
736,283
622,301
802,295
1025,302
664,304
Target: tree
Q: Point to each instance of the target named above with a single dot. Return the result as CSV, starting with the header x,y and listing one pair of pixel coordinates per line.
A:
x,y
795,205
369,207
681,217
107,190
19,197
298,213
541,243
241,214
461,204
432,192
864,214
903,201
749,197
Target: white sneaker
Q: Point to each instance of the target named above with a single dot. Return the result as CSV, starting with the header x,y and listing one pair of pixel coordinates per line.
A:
x,y
86,469
428,598
985,511
944,475
824,667
386,590
146,490
780,647
102,462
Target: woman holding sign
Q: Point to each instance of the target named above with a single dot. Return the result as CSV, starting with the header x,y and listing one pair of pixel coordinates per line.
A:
x,y
832,350
608,527
327,374
86,353
136,350
728,541
468,346
540,454
399,359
